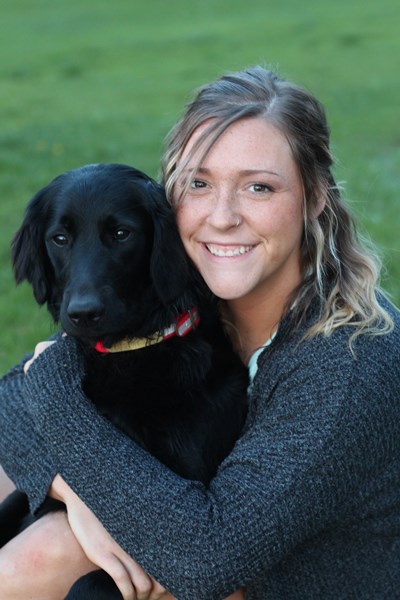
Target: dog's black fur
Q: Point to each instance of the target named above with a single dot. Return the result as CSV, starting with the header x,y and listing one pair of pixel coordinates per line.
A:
x,y
100,247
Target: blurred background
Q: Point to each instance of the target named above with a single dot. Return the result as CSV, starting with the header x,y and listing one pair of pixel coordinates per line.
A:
x,y
92,80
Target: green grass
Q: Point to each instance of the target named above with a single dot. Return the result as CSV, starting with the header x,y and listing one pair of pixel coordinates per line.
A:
x,y
86,81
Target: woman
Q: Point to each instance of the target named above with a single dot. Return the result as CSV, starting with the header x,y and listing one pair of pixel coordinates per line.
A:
x,y
307,505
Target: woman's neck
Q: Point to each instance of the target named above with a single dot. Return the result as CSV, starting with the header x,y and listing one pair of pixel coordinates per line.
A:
x,y
255,321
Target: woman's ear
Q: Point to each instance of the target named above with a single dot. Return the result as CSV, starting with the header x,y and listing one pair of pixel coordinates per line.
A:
x,y
319,207
320,201
29,255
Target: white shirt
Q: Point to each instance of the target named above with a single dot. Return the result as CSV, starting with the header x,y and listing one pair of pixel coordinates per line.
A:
x,y
252,364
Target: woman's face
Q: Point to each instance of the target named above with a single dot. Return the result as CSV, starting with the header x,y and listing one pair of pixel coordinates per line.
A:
x,y
248,177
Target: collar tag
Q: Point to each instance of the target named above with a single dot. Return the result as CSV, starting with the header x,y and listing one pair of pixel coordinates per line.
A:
x,y
187,321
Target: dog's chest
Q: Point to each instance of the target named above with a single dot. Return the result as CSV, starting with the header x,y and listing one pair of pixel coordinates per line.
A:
x,y
150,388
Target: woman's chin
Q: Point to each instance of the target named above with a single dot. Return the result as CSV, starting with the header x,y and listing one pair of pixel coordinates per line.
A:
x,y
227,290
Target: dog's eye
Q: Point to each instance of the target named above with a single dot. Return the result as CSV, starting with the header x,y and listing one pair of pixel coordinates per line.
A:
x,y
60,239
121,234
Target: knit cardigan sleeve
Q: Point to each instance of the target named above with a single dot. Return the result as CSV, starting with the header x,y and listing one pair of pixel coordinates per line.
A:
x,y
23,453
314,432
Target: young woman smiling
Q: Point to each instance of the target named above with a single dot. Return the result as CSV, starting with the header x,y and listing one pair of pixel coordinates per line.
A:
x,y
241,221
307,504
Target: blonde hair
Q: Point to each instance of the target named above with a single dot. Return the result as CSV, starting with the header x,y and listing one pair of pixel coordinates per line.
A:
x,y
338,270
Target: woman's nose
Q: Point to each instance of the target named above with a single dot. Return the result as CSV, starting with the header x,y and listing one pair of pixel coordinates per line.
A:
x,y
223,211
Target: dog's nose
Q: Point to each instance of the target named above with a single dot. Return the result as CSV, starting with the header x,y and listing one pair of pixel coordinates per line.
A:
x,y
85,311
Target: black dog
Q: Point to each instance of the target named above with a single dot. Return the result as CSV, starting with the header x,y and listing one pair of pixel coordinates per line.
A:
x,y
99,245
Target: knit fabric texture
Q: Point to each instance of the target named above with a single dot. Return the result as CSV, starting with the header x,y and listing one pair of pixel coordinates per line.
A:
x,y
307,505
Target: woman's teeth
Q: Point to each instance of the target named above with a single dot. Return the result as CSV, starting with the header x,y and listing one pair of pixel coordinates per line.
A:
x,y
217,251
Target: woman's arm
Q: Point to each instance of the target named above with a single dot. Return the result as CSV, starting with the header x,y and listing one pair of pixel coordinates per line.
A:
x,y
204,543
50,542
23,452
133,582
57,570
104,551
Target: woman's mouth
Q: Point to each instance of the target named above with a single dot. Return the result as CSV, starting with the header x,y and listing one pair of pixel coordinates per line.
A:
x,y
227,251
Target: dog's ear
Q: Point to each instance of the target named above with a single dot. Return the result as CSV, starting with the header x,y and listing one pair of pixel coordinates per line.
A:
x,y
29,255
171,272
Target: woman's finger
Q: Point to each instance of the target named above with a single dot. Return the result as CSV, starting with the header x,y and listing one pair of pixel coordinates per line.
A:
x,y
142,581
146,587
160,593
117,570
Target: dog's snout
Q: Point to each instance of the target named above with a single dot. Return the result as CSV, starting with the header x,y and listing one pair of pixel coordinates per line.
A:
x,y
85,310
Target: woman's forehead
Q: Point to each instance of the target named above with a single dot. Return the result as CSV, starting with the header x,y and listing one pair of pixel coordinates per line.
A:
x,y
250,141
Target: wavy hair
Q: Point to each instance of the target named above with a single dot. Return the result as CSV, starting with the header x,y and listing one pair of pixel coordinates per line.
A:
x,y
338,271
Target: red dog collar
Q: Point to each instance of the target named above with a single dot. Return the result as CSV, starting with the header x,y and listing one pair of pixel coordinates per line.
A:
x,y
185,322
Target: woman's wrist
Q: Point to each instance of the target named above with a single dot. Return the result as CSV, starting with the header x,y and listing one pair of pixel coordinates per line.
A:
x,y
59,489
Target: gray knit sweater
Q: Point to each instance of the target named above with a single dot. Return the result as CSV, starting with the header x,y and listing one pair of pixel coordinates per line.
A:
x,y
307,506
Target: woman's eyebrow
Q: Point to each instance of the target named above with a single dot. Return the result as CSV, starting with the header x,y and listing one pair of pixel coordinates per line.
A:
x,y
206,171
260,171
198,170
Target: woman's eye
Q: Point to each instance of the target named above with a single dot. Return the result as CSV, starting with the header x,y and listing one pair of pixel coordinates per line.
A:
x,y
121,234
261,188
197,184
60,239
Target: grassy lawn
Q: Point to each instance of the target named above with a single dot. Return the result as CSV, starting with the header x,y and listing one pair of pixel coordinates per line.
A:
x,y
91,80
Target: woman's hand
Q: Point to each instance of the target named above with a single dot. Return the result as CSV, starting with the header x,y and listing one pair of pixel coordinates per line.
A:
x,y
101,549
39,348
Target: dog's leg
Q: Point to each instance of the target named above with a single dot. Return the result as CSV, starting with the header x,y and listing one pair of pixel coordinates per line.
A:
x,y
97,585
13,510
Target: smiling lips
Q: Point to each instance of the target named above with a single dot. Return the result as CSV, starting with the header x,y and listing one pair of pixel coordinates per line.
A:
x,y
228,251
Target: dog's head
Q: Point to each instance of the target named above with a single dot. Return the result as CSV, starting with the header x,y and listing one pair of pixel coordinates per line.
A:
x,y
100,246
